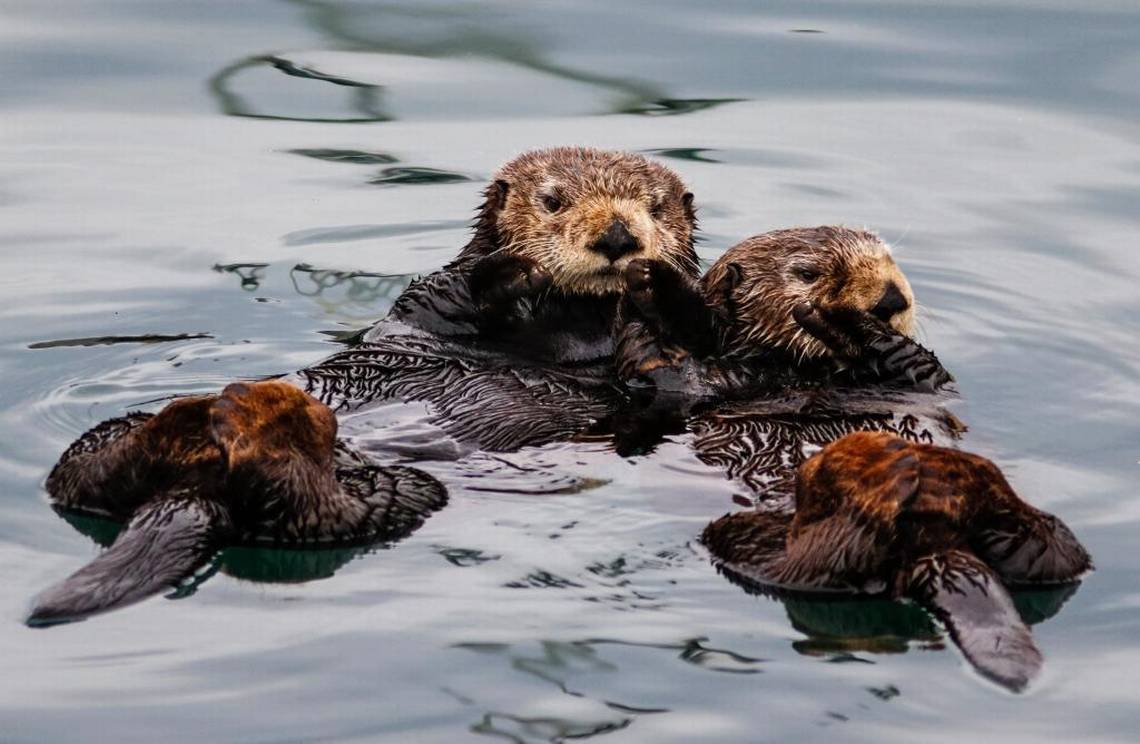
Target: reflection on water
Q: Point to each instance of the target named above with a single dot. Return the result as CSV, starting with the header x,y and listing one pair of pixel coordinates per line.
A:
x,y
148,338
838,628
992,144
364,102
355,157
417,176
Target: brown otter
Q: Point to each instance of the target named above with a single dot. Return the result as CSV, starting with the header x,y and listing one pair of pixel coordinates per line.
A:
x,y
876,514
537,284
540,280
791,340
544,268
809,329
778,307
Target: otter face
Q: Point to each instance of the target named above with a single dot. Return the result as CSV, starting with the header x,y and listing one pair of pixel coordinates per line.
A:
x,y
756,284
584,214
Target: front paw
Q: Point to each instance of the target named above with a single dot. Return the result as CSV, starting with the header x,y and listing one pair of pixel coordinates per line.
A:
x,y
500,279
845,332
649,284
875,349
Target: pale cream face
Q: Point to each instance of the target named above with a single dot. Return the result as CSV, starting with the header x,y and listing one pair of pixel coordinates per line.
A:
x,y
560,202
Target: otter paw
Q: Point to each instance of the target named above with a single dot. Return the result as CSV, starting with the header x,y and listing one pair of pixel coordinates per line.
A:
x,y
834,328
639,284
271,421
501,278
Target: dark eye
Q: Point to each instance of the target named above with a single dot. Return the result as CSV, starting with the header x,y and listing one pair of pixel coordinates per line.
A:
x,y
657,209
807,276
552,203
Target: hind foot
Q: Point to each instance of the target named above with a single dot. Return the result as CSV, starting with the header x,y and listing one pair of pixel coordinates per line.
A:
x,y
118,464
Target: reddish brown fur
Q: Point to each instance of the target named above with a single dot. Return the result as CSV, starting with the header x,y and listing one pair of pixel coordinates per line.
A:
x,y
871,504
884,479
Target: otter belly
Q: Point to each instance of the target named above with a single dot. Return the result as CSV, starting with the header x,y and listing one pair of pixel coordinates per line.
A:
x,y
474,396
761,442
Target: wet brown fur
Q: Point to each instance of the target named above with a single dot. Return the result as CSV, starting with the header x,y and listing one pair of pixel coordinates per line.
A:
x,y
591,189
757,283
870,496
878,514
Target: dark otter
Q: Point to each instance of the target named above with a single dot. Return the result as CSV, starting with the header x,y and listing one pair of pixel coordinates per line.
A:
x,y
478,341
876,514
544,268
258,464
512,343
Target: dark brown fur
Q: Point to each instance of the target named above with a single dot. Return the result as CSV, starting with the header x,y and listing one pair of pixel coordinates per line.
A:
x,y
258,463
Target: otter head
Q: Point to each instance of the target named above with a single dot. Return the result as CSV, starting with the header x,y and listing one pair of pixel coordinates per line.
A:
x,y
583,214
755,285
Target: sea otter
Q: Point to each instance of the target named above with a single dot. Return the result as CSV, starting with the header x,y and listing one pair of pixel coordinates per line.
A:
x,y
792,339
509,345
258,464
544,268
876,514
786,305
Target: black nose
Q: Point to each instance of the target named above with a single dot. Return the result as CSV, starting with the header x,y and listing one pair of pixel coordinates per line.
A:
x,y
615,242
890,304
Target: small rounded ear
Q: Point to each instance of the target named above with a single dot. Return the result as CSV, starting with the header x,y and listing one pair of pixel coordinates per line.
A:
x,y
720,292
486,238
687,205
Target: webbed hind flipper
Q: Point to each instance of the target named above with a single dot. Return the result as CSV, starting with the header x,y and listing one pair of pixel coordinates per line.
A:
x,y
968,597
119,464
165,541
290,481
383,504
1033,548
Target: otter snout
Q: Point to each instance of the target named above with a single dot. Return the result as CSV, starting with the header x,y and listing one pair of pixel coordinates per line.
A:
x,y
891,303
615,242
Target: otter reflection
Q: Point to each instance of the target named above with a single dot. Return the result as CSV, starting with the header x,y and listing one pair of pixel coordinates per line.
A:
x,y
837,627
246,562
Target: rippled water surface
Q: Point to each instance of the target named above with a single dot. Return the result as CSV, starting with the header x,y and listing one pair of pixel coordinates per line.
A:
x,y
193,192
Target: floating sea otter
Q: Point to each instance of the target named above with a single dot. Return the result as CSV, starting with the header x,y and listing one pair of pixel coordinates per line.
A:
x,y
510,345
792,339
775,318
876,514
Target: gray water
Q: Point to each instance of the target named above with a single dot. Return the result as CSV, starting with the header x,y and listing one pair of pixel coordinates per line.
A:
x,y
193,192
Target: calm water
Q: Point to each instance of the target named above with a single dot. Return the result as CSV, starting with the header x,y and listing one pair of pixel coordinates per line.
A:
x,y
190,192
